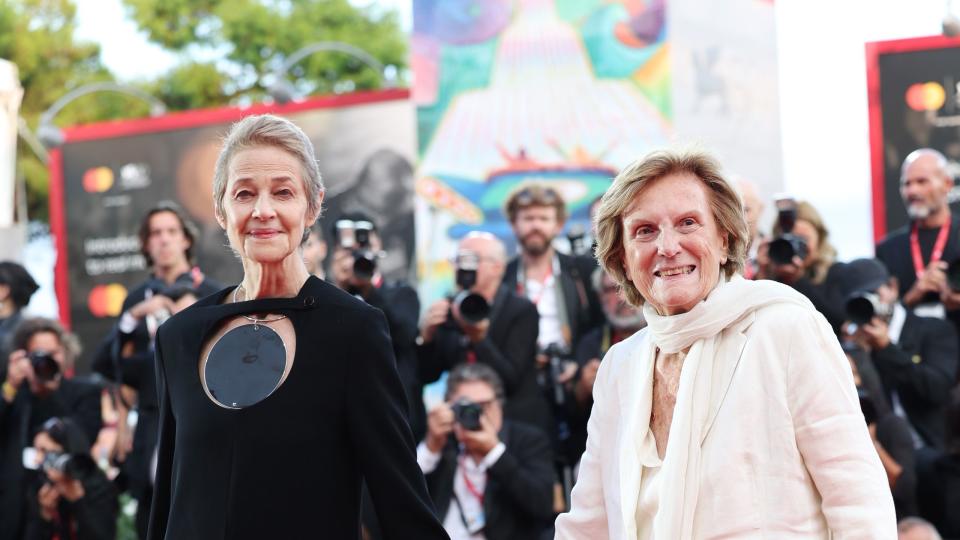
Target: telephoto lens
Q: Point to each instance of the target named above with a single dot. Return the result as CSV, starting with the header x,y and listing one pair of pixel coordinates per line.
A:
x,y
45,367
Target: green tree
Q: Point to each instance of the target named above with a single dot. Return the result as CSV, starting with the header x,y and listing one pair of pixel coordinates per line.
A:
x,y
245,41
37,35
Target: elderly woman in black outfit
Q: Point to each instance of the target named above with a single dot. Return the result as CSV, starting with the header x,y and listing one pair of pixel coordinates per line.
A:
x,y
278,395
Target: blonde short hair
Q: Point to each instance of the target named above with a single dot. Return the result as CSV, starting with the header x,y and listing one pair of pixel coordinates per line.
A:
x,y
632,181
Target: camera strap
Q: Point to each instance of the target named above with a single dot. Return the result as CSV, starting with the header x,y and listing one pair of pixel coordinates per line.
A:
x,y
938,246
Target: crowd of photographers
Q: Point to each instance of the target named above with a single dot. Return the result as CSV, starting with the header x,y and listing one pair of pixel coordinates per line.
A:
x,y
519,340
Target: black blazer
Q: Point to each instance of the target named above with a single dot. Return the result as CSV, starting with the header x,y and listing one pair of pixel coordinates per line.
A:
x,y
290,465
580,300
518,499
921,367
510,348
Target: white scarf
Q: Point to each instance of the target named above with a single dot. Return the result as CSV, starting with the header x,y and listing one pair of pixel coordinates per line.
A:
x,y
699,329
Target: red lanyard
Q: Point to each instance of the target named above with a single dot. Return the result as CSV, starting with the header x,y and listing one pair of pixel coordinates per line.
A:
x,y
466,480
938,246
547,282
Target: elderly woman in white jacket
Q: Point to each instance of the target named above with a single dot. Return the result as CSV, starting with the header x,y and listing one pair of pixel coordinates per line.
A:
x,y
734,413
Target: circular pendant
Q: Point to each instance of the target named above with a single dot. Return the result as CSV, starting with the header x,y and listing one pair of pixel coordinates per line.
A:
x,y
245,366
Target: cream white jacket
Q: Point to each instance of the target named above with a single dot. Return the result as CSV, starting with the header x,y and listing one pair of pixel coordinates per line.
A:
x,y
785,453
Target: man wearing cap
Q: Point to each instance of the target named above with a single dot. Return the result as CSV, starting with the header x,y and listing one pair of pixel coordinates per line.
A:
x,y
920,253
916,357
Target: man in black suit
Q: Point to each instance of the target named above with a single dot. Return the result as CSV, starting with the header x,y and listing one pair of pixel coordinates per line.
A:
x,y
505,340
916,357
34,391
355,270
487,477
919,253
126,355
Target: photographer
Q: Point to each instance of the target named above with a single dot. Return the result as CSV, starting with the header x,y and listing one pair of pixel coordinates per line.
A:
x,y
800,255
16,288
69,497
126,355
354,269
37,388
916,357
488,478
504,338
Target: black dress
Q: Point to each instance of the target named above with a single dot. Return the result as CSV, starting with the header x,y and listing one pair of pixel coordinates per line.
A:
x,y
289,466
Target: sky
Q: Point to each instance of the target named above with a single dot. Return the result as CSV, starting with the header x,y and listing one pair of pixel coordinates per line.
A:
x,y
128,54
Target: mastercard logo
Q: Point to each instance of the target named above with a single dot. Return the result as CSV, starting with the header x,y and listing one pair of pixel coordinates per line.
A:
x,y
106,300
928,96
97,179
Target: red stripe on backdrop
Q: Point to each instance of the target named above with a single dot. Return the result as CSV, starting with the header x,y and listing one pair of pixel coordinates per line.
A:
x,y
201,117
58,230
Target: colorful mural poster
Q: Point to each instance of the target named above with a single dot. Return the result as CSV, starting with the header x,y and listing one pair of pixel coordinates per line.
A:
x,y
510,92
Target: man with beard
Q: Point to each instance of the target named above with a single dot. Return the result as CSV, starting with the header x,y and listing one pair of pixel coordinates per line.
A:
x,y
916,357
622,321
556,283
919,254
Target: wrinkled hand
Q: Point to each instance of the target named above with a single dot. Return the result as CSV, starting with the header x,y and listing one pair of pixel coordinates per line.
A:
x,y
933,279
435,316
478,443
440,422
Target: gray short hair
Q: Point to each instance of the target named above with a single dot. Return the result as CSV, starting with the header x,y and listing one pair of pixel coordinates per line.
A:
x,y
268,130
635,178
465,373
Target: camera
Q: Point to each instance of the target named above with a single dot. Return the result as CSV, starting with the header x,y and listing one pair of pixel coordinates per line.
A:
x,y
785,247
467,414
862,307
556,353
473,307
355,236
45,367
77,466
577,236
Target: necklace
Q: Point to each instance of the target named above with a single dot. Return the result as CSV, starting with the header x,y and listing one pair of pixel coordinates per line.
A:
x,y
255,320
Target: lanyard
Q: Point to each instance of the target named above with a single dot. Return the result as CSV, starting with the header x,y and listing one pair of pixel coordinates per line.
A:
x,y
466,480
938,246
547,281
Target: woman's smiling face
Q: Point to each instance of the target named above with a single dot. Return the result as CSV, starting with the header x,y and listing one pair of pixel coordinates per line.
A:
x,y
673,248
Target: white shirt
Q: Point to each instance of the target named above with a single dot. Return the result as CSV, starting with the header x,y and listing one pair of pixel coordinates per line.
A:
x,y
544,295
649,501
472,506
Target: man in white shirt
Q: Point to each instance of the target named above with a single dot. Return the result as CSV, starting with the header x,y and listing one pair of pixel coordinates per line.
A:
x,y
489,479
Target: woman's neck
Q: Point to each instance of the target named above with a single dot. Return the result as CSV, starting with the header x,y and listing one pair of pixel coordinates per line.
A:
x,y
283,279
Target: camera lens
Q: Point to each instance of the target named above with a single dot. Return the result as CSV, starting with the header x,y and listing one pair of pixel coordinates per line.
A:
x,y
473,307
861,309
45,367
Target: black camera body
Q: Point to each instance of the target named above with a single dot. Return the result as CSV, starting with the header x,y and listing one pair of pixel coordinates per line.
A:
x,y
467,414
785,247
473,307
953,275
355,236
556,354
45,367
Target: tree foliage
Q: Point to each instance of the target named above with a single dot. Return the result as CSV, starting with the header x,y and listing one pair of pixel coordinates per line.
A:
x,y
229,50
